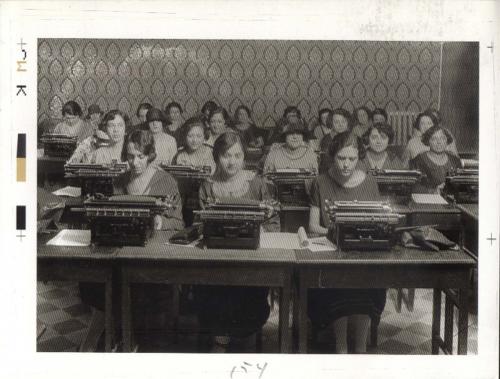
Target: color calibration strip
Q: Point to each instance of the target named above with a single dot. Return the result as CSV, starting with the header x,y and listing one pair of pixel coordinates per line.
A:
x,y
21,157
21,220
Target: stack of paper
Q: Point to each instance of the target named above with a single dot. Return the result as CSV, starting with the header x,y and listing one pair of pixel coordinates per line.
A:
x,y
71,237
69,191
428,198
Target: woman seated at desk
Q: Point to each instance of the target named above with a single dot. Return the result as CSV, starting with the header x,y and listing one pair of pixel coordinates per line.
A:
x,y
73,125
294,152
338,307
114,125
436,162
322,129
377,138
362,120
173,111
228,312
165,144
219,123
415,146
250,134
339,121
194,153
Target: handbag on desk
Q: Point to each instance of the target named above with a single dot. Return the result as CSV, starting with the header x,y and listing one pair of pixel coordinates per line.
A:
x,y
427,238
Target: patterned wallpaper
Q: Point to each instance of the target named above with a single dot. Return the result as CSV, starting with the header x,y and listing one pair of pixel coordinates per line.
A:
x,y
265,75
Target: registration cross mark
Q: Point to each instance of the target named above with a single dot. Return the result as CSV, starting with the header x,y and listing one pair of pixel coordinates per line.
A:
x,y
491,239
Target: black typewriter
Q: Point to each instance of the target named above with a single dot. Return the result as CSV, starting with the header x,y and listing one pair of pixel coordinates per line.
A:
x,y
362,225
58,145
188,172
95,178
124,220
291,185
462,186
396,184
234,223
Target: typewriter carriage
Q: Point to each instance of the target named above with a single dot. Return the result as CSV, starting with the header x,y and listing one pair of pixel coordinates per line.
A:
x,y
396,185
291,185
462,186
58,145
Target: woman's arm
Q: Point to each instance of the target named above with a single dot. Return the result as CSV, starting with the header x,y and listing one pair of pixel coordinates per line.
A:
x,y
314,221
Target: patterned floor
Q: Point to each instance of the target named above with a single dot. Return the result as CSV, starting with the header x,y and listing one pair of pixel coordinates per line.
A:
x,y
65,320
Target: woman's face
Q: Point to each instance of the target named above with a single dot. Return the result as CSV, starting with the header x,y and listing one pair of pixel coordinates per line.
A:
x,y
116,129
156,127
174,114
377,117
323,118
425,124
242,116
137,161
346,160
70,119
294,140
217,124
142,114
438,142
363,118
378,141
339,123
195,138
231,162
292,117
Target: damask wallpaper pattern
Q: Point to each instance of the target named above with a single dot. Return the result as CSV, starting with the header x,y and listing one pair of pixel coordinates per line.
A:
x,y
264,75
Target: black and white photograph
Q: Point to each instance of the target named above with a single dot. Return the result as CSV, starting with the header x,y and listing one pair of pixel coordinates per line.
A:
x,y
270,196
249,190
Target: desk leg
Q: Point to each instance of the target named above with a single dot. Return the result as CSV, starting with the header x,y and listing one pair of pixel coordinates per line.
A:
x,y
284,333
302,317
436,320
463,320
448,324
108,315
126,315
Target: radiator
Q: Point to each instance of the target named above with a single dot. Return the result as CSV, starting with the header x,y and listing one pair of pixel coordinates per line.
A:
x,y
402,124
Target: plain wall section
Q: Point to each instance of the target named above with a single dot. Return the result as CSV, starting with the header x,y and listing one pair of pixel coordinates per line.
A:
x,y
460,93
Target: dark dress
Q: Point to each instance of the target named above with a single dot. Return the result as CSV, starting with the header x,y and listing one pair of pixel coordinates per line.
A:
x,y
232,311
327,305
392,162
434,174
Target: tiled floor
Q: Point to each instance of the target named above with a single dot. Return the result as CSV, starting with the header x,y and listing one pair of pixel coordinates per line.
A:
x,y
66,321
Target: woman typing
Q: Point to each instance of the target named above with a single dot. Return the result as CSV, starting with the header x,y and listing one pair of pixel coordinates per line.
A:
x,y
338,307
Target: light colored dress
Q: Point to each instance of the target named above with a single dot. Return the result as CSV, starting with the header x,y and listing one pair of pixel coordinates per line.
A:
x,y
81,129
166,148
280,158
415,147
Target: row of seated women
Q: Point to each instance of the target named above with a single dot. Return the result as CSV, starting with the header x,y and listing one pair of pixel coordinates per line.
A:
x,y
236,312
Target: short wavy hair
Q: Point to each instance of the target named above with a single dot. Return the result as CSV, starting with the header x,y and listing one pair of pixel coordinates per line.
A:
x,y
223,112
71,108
142,106
380,111
383,128
342,112
224,142
416,124
190,124
433,130
110,115
346,139
143,141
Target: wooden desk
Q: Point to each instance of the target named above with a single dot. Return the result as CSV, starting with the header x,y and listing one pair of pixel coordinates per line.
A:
x,y
470,219
398,268
79,264
161,263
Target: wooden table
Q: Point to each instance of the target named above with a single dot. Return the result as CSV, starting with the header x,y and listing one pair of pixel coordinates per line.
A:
x,y
80,264
470,219
158,262
398,268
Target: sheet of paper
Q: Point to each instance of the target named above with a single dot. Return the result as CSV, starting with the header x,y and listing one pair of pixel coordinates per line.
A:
x,y
428,198
69,191
321,244
279,241
71,237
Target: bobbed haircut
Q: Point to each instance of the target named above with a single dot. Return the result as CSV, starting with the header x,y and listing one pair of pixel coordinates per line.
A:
x,y
416,123
143,141
223,112
355,117
71,108
190,124
245,108
103,125
172,104
290,109
208,106
383,128
346,139
433,130
380,111
342,112
224,142
142,106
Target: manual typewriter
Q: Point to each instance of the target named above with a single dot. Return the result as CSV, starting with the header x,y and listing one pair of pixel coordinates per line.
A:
x,y
462,186
95,178
396,184
125,220
189,172
362,225
234,223
291,185
58,145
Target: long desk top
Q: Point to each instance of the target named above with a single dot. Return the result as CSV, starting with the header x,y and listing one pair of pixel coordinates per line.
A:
x,y
91,252
471,210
